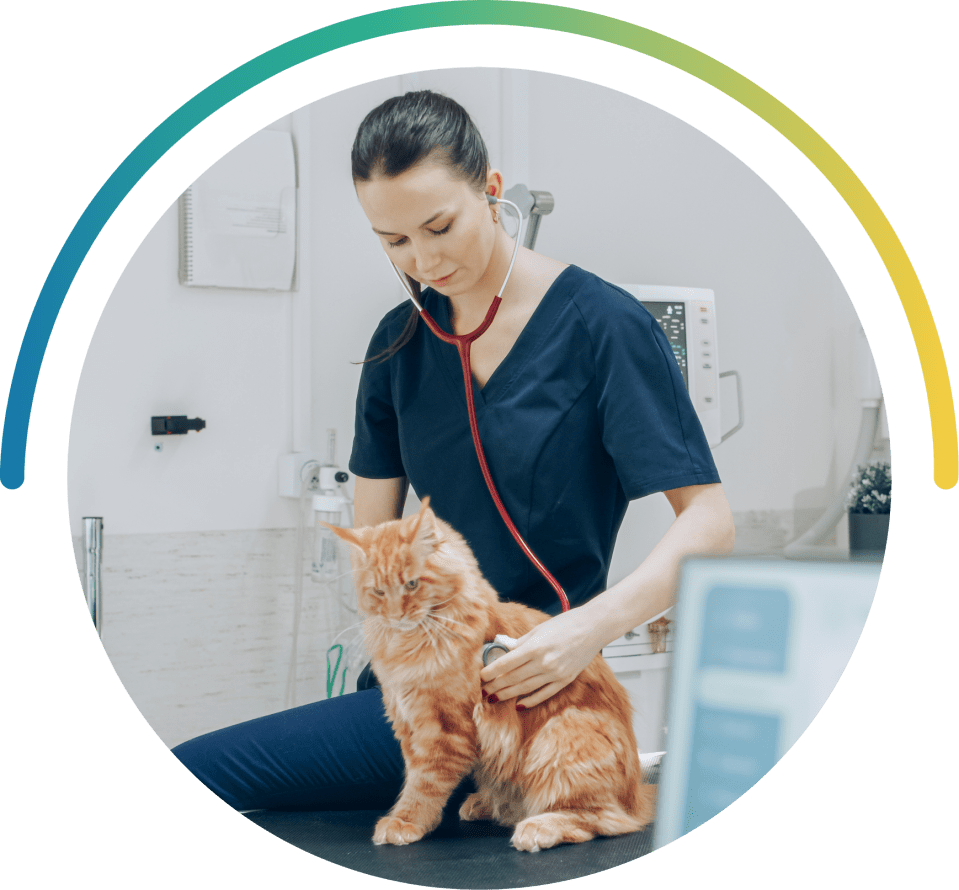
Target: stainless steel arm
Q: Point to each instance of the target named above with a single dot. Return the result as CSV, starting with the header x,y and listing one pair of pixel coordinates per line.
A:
x,y
92,560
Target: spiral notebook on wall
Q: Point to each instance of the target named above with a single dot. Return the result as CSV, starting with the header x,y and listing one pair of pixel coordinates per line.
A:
x,y
238,220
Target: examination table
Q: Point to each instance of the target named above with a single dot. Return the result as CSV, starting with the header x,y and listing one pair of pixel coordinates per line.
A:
x,y
458,854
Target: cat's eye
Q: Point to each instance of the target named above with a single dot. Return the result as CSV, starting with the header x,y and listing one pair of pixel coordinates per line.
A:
x,y
412,584
378,592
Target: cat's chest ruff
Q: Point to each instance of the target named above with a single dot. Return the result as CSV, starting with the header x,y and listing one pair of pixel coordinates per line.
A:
x,y
402,706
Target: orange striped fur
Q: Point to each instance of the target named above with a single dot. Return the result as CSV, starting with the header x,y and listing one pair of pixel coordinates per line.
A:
x,y
563,771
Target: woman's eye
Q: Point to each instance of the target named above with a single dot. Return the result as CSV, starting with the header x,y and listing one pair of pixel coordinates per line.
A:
x,y
399,242
412,584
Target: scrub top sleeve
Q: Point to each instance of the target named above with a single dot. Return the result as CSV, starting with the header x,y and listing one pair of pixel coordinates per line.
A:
x,y
376,443
648,424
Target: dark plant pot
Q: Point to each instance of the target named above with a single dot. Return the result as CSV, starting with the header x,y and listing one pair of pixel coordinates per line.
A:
x,y
868,531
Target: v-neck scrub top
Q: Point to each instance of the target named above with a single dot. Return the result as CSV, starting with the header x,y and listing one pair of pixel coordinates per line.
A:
x,y
586,412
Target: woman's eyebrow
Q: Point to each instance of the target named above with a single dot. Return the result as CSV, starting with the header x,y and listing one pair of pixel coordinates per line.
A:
x,y
434,217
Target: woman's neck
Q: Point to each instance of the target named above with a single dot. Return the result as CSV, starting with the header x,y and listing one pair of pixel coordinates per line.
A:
x,y
468,310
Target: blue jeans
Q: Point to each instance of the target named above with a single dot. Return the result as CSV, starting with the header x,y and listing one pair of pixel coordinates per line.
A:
x,y
337,754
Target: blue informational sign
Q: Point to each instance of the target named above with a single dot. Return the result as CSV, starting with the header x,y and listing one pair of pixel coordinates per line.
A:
x,y
759,646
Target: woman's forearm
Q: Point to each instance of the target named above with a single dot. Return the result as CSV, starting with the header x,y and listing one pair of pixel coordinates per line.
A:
x,y
703,525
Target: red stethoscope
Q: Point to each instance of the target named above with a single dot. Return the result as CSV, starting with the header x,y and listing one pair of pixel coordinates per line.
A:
x,y
463,342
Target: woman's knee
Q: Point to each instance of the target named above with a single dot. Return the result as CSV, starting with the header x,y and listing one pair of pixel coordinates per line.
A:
x,y
330,754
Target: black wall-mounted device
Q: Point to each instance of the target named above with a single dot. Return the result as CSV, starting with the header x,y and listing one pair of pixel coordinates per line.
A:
x,y
175,426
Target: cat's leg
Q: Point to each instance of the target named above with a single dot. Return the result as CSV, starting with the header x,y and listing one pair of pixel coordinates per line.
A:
x,y
579,780
435,765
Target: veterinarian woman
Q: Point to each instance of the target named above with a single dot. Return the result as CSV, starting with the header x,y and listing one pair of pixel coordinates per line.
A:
x,y
581,407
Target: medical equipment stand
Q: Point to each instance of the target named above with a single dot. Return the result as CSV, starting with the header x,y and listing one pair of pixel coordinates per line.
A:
x,y
92,558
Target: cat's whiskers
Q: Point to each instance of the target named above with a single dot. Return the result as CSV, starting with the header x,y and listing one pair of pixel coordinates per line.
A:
x,y
436,606
444,630
437,617
353,639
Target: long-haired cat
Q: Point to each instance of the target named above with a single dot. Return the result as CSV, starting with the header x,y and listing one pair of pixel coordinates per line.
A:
x,y
563,771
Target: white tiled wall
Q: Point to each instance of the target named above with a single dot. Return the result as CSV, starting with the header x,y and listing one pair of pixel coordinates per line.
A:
x,y
198,626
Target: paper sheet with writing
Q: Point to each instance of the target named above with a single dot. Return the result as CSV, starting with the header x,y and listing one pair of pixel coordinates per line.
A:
x,y
238,220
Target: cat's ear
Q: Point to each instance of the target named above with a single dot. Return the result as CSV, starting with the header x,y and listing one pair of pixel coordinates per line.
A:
x,y
358,537
425,531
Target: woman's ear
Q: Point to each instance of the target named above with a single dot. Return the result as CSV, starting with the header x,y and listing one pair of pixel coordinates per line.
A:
x,y
494,183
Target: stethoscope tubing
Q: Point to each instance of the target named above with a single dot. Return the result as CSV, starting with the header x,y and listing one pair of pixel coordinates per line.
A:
x,y
463,342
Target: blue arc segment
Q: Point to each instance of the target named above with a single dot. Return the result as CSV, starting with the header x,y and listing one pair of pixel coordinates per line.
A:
x,y
125,177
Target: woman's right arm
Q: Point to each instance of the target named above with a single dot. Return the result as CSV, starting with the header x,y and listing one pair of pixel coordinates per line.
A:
x,y
378,500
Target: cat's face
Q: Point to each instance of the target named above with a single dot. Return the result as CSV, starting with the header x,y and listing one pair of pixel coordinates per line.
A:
x,y
405,571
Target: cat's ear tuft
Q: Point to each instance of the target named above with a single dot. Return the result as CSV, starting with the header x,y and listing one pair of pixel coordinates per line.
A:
x,y
424,531
428,534
358,537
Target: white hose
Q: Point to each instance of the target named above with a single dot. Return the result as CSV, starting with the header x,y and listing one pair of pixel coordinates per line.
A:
x,y
306,494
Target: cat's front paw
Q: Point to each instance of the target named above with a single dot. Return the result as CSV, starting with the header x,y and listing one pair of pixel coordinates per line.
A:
x,y
390,830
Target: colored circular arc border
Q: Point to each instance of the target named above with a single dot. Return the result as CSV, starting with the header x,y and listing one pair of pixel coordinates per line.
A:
x,y
481,12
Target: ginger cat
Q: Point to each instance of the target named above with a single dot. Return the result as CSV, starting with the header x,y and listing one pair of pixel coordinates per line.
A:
x,y
563,771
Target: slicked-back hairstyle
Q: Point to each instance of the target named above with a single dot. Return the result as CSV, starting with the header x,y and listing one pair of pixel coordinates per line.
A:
x,y
405,131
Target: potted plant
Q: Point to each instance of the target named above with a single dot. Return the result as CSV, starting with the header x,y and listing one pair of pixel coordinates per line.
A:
x,y
869,504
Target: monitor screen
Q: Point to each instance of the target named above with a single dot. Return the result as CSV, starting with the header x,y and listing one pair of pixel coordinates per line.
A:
x,y
671,316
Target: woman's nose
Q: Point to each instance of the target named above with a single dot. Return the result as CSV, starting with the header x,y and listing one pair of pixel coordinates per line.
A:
x,y
425,255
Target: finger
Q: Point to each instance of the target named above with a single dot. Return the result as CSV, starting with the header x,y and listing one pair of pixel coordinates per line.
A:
x,y
510,661
547,691
518,686
526,672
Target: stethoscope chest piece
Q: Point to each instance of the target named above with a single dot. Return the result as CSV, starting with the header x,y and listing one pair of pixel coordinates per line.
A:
x,y
500,646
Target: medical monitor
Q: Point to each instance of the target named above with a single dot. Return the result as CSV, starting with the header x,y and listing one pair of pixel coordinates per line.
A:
x,y
687,316
759,646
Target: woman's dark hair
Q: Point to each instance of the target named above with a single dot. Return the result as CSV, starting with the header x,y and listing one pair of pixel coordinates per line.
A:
x,y
403,132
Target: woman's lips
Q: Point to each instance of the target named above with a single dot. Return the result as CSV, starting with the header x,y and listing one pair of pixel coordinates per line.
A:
x,y
439,282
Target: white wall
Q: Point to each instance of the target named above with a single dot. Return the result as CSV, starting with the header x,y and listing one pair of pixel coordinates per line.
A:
x,y
162,348
642,197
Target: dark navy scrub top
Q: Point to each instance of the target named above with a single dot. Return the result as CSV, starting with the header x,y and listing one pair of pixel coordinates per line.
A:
x,y
586,412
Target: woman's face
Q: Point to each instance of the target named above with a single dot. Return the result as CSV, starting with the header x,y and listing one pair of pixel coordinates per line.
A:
x,y
437,229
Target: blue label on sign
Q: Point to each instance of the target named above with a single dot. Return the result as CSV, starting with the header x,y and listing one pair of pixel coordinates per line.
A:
x,y
731,751
745,629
